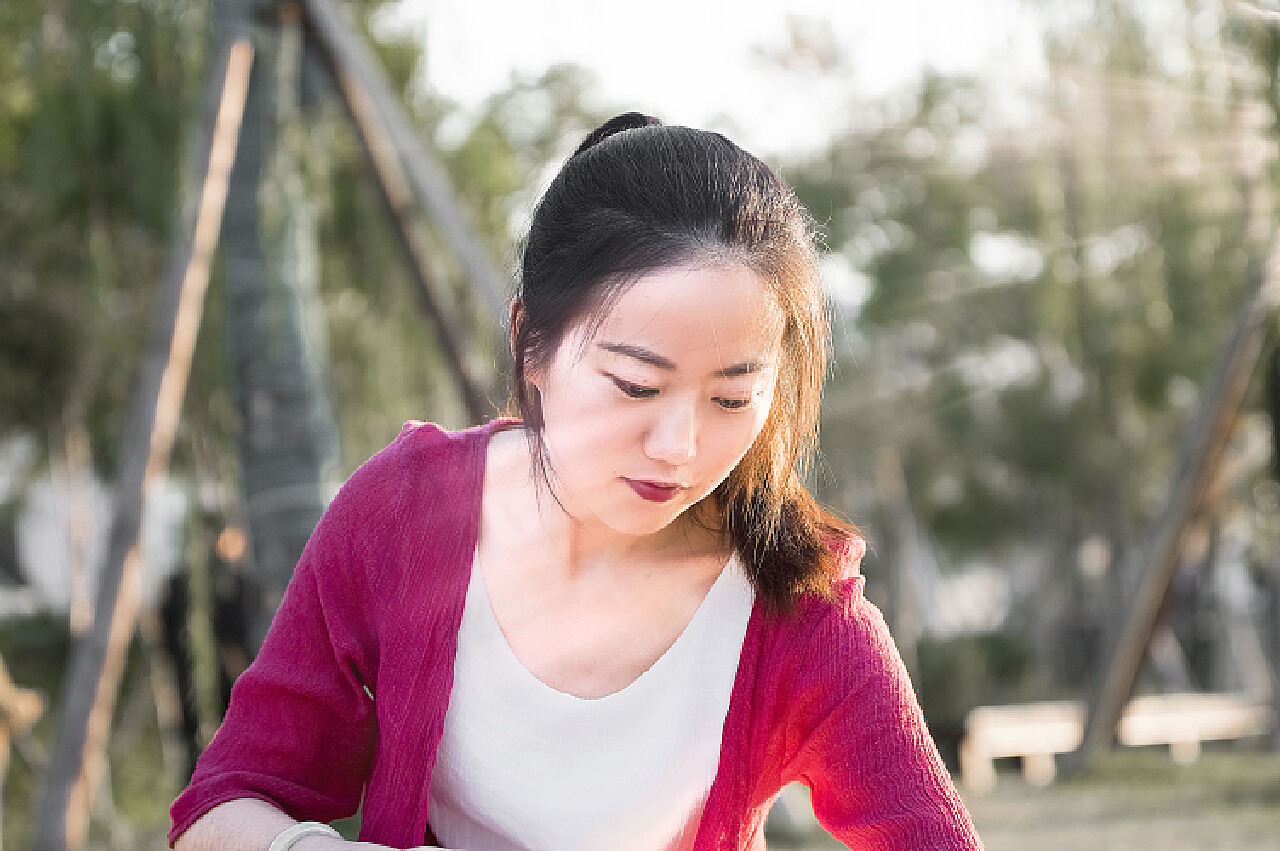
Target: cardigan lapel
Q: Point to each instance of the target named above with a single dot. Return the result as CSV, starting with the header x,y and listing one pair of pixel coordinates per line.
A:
x,y
421,641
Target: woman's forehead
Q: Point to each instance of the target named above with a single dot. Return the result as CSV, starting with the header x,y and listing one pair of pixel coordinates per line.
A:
x,y
725,303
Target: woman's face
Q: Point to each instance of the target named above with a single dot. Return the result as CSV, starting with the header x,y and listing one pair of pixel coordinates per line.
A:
x,y
649,414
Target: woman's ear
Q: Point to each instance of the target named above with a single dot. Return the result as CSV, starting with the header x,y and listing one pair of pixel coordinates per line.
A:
x,y
517,324
517,320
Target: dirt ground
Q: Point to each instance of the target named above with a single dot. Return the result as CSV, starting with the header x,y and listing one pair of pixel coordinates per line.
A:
x,y
1131,800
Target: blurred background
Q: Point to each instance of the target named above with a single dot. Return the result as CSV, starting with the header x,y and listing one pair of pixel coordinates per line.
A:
x,y
242,241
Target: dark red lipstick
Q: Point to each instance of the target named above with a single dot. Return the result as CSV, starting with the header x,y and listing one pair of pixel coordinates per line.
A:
x,y
653,491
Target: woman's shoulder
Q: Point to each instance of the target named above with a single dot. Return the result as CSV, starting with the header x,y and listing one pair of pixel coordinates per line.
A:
x,y
426,443
842,622
417,494
425,468
424,453
848,549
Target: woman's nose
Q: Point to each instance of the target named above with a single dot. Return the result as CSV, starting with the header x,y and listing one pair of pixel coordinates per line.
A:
x,y
673,438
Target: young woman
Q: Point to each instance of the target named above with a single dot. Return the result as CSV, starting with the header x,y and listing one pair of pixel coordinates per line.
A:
x,y
619,622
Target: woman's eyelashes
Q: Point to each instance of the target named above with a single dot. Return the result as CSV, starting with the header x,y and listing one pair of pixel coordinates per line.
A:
x,y
632,390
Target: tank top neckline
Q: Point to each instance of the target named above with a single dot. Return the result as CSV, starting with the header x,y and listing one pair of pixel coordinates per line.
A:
x,y
720,588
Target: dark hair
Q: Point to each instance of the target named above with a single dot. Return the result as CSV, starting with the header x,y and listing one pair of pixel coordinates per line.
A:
x,y
638,196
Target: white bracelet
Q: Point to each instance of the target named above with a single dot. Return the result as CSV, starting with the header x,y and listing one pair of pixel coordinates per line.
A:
x,y
290,836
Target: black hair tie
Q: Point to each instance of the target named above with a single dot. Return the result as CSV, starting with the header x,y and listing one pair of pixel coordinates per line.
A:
x,y
626,121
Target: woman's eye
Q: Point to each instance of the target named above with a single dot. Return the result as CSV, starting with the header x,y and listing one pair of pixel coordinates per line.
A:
x,y
635,391
732,404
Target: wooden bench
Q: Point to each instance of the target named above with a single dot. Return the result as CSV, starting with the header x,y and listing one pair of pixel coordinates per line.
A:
x,y
1032,731
1036,732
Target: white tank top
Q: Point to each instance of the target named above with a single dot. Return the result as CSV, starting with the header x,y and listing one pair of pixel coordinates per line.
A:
x,y
524,767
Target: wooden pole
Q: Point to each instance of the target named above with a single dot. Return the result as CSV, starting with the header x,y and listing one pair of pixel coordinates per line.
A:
x,y
1202,453
424,172
374,114
75,767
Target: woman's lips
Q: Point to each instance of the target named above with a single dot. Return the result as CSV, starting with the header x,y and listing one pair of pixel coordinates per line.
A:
x,y
653,491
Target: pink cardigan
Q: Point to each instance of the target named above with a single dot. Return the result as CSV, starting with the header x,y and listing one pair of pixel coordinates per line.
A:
x,y
345,703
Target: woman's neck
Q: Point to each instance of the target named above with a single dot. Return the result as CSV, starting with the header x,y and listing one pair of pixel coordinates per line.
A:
x,y
582,544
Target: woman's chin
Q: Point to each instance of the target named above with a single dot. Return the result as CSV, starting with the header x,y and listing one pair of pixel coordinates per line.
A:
x,y
637,527
640,520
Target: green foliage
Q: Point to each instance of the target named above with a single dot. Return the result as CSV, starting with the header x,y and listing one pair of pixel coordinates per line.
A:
x,y
1038,311
91,109
35,649
502,163
959,674
382,366
96,106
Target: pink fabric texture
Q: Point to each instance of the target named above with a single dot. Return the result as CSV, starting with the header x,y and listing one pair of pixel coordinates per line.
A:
x,y
345,703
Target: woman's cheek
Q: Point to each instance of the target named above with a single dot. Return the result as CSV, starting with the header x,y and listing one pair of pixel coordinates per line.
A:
x,y
755,425
760,410
733,437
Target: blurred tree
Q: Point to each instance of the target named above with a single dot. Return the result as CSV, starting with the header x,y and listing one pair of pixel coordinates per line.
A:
x,y
91,110
1026,316
93,104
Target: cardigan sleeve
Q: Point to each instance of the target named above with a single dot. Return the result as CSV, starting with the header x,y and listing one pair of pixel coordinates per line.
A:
x,y
300,732
862,747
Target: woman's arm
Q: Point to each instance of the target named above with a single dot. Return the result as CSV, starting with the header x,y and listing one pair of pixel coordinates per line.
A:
x,y
247,824
300,733
876,777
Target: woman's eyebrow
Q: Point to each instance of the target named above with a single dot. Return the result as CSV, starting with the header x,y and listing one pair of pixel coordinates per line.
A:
x,y
641,354
654,359
750,367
